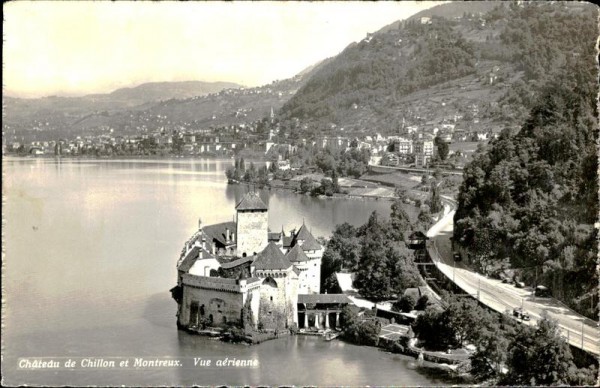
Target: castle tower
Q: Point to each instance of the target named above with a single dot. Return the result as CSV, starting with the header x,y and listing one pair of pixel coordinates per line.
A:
x,y
279,289
313,251
252,225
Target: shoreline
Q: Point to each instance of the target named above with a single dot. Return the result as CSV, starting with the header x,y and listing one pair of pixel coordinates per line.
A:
x,y
321,196
447,365
117,157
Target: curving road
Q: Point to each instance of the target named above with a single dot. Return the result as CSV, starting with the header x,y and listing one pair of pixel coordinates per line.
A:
x,y
578,330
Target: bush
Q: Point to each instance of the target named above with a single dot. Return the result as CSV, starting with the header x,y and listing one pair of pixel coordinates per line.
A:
x,y
234,334
422,303
363,333
406,303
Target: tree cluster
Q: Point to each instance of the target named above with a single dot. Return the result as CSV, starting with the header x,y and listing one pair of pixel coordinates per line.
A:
x,y
376,253
253,175
531,198
507,353
357,330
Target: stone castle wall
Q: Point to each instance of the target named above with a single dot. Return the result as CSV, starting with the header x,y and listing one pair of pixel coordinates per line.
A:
x,y
252,232
254,294
278,301
218,298
222,306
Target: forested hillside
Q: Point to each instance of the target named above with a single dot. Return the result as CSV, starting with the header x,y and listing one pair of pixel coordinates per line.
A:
x,y
529,199
496,61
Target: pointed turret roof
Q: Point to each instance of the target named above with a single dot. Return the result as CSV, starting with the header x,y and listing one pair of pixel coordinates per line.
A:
x,y
310,243
251,201
296,255
303,233
271,258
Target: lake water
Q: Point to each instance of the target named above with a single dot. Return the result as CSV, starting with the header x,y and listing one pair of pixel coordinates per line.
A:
x,y
90,252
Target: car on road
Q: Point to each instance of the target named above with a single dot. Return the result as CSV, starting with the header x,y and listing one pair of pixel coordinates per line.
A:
x,y
519,284
520,314
542,292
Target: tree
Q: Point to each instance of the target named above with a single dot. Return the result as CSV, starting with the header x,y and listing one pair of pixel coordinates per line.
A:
x,y
462,321
372,277
400,192
490,357
263,176
305,185
443,149
273,167
348,317
424,219
345,242
330,264
365,332
422,303
399,221
368,333
334,182
230,174
406,303
465,318
431,329
326,187
435,201
539,356
251,174
403,272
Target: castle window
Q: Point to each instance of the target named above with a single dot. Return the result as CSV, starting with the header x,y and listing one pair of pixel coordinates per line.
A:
x,y
271,299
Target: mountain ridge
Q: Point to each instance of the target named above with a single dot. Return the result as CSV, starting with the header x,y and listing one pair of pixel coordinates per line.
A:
x,y
503,56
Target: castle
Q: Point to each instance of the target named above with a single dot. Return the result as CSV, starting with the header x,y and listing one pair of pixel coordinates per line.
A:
x,y
240,273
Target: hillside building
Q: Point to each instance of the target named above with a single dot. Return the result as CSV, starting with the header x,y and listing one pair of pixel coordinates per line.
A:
x,y
424,147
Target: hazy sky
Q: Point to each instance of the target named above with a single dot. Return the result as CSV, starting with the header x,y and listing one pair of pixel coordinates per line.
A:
x,y
71,48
